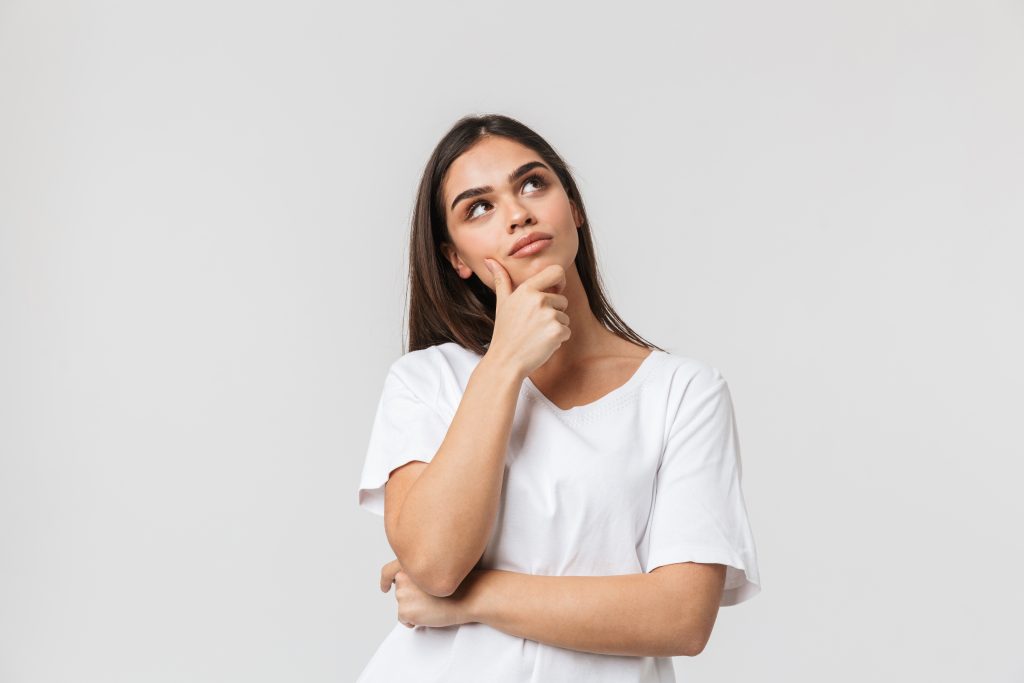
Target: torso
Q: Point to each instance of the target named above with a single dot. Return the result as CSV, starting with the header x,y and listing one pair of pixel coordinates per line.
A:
x,y
580,496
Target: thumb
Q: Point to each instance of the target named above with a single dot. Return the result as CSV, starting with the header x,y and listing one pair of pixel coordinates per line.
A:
x,y
387,574
502,281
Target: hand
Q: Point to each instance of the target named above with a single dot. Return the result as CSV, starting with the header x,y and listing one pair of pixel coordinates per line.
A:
x,y
530,323
419,608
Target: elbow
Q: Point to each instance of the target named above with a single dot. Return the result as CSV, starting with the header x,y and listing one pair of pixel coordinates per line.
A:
x,y
443,589
689,640
437,589
446,582
692,645
427,572
434,583
433,579
438,573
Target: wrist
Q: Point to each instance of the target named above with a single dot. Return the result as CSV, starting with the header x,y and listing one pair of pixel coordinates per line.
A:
x,y
473,598
503,368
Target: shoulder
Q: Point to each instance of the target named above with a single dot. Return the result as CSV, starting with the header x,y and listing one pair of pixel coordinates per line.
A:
x,y
422,371
689,375
689,381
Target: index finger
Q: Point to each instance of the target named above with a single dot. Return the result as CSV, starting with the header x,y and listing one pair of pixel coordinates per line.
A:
x,y
551,279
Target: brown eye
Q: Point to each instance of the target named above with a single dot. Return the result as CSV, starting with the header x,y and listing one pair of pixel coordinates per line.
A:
x,y
534,178
469,211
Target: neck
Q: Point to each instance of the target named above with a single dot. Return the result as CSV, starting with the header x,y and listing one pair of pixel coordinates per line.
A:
x,y
589,336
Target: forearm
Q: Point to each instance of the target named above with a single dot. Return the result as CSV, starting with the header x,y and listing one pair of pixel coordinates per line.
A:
x,y
448,515
627,614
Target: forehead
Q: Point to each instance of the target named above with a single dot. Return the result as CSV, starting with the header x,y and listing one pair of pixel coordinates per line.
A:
x,y
488,162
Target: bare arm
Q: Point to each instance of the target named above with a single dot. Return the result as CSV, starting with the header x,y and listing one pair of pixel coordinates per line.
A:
x,y
665,613
439,518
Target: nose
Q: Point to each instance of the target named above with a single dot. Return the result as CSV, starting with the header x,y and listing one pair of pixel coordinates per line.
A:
x,y
519,217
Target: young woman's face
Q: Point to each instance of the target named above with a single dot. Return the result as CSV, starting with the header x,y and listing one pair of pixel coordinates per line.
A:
x,y
487,224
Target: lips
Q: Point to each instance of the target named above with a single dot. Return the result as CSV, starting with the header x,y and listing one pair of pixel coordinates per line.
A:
x,y
527,239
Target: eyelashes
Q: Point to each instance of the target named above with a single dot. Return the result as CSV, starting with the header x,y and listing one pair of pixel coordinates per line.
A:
x,y
534,177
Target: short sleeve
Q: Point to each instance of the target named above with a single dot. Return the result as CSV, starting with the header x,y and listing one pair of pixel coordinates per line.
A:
x,y
405,428
698,513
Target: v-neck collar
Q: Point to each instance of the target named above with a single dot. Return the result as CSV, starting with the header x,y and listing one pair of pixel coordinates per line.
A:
x,y
598,405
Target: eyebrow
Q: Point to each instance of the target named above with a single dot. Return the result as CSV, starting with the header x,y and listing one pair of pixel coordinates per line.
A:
x,y
477,191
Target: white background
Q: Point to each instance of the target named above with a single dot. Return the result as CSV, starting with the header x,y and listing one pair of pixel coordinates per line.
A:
x,y
204,209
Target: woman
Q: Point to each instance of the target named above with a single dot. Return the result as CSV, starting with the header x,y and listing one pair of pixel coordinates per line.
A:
x,y
563,498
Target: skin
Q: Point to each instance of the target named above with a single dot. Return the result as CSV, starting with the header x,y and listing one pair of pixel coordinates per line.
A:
x,y
669,611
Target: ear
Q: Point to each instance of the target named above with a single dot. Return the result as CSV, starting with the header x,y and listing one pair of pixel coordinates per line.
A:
x,y
576,214
452,256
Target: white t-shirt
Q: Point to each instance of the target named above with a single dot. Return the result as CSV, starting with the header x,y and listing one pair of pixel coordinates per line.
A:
x,y
647,475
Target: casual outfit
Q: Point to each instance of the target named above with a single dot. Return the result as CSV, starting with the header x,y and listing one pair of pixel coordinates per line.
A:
x,y
647,475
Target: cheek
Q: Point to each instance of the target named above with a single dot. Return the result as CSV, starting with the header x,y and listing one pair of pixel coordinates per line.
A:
x,y
556,212
472,252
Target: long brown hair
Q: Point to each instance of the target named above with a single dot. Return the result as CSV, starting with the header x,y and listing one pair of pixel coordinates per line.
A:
x,y
442,306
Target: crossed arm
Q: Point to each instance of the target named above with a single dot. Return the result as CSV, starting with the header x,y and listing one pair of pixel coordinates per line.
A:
x,y
667,612
438,524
